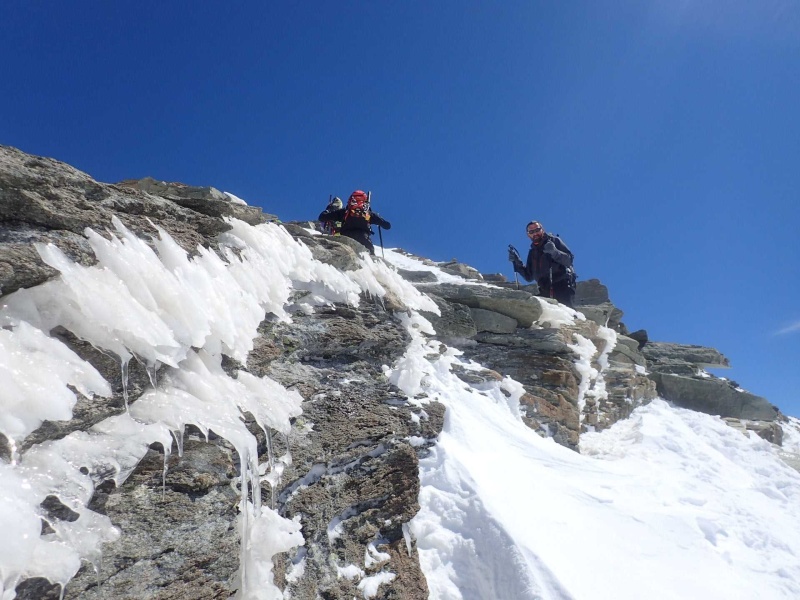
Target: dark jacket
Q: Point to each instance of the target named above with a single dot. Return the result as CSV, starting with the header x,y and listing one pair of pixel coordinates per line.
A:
x,y
357,228
539,265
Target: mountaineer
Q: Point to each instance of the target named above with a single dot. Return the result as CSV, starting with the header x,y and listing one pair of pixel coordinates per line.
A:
x,y
333,227
549,263
356,219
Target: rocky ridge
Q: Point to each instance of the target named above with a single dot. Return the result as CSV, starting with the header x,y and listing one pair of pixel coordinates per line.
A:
x,y
352,460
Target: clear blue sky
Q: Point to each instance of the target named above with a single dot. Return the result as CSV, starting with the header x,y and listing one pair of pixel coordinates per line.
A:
x,y
660,139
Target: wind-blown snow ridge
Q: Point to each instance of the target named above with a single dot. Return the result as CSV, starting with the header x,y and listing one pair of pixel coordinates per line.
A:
x,y
689,506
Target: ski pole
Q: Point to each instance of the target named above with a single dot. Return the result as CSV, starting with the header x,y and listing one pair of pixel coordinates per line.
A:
x,y
513,250
380,235
551,282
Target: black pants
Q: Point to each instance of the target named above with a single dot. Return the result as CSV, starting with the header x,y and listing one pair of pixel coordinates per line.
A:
x,y
560,291
361,236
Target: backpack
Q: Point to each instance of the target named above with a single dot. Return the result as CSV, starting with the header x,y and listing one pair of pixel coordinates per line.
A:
x,y
357,206
572,276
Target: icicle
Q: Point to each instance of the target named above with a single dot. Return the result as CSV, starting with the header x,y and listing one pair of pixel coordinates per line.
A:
x,y
178,435
288,455
63,589
244,510
152,373
123,363
12,447
164,480
271,461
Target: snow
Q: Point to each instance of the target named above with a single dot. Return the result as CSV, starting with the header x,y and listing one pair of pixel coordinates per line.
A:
x,y
235,199
666,504
688,506
369,585
163,307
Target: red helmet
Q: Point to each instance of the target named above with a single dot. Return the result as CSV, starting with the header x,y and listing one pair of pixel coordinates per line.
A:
x,y
358,196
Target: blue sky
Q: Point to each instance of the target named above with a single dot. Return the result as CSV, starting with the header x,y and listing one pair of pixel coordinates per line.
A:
x,y
660,139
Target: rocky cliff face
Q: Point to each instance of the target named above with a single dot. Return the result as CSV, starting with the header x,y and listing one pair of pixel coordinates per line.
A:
x,y
353,474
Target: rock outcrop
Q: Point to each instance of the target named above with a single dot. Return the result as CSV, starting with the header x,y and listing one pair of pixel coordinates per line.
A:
x,y
353,478
680,376
352,462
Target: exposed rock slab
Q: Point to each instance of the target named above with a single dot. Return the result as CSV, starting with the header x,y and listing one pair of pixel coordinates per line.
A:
x,y
418,276
664,354
521,306
591,292
491,321
454,267
714,397
454,322
543,362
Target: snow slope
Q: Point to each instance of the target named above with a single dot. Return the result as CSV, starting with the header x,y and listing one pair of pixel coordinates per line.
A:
x,y
667,504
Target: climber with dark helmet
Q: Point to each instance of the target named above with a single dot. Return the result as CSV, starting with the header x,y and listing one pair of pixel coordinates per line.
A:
x,y
549,263
356,219
333,227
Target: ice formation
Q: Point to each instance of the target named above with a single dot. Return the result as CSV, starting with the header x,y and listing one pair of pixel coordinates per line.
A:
x,y
154,302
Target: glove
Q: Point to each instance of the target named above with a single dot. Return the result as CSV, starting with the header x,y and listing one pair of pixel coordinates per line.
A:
x,y
550,249
513,257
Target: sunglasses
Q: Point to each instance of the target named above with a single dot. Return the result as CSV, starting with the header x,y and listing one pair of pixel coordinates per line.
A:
x,y
532,231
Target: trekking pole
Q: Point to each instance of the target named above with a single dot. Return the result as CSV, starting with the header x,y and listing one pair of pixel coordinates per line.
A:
x,y
551,283
514,250
380,234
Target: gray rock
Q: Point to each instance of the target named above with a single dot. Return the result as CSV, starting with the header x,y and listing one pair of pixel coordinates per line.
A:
x,y
493,322
591,292
175,189
628,342
714,397
662,353
542,361
519,305
455,321
454,267
623,353
417,276
605,314
43,200
181,540
338,251
494,278
531,288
